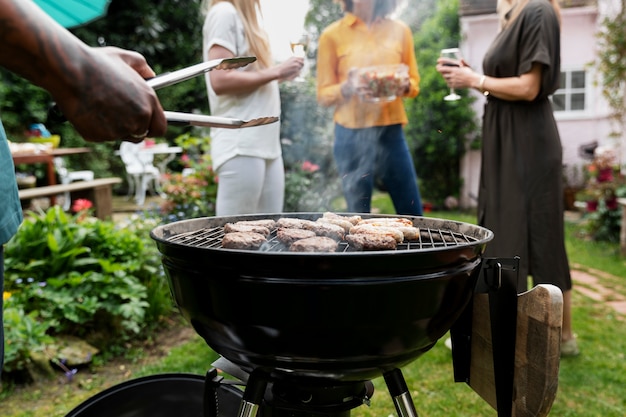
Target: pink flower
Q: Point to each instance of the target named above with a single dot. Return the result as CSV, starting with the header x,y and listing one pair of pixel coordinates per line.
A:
x,y
308,166
81,205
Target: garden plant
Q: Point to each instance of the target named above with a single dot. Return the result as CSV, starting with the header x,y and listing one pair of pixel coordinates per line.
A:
x,y
73,274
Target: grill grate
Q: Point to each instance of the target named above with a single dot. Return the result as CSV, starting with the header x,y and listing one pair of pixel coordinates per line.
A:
x,y
430,238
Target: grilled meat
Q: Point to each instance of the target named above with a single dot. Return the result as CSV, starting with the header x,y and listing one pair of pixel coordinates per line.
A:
x,y
241,227
369,241
345,224
326,229
352,219
269,223
293,223
378,230
314,244
243,240
287,236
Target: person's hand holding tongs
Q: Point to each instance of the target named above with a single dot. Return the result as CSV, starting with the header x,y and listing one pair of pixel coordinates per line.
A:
x,y
168,79
189,119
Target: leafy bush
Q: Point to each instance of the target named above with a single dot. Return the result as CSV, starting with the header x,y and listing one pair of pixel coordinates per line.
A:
x,y
439,132
78,275
24,334
192,193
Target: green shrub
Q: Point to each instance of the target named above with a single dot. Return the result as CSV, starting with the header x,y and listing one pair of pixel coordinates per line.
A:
x,y
191,194
78,275
24,334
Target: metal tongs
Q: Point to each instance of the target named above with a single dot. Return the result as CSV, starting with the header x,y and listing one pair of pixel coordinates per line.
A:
x,y
188,119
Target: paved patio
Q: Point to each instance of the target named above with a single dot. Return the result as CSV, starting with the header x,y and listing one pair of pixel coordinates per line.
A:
x,y
590,285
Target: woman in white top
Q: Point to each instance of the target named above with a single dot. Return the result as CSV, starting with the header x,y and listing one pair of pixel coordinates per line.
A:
x,y
248,161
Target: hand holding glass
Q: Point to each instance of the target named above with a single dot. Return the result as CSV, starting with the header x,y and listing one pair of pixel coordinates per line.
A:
x,y
298,48
454,54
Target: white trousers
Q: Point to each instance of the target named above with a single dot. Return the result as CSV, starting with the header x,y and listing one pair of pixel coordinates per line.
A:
x,y
248,185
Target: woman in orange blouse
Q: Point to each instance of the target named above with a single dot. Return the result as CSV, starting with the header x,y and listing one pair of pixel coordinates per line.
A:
x,y
370,147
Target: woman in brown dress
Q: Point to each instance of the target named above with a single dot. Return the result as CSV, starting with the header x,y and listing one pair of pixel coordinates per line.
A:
x,y
521,196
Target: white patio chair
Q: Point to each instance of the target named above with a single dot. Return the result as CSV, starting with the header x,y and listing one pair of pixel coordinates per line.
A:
x,y
141,173
66,176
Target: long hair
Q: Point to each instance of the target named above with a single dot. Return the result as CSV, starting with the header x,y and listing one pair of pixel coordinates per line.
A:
x,y
249,11
382,8
509,10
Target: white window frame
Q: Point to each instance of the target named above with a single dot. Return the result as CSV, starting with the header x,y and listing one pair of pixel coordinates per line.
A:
x,y
587,90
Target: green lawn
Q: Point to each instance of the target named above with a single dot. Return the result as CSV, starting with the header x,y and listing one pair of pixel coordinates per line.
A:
x,y
593,384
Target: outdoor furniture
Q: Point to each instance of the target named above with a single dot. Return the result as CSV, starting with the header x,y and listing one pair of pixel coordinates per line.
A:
x,y
46,157
98,191
141,173
66,176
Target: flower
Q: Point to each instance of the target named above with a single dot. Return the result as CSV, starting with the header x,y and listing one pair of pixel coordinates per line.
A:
x,y
6,295
81,204
605,157
308,166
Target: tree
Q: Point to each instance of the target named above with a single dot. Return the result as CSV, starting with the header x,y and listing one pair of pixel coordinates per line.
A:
x,y
439,132
612,65
167,32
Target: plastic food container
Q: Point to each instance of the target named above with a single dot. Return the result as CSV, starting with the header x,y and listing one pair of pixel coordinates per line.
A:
x,y
382,83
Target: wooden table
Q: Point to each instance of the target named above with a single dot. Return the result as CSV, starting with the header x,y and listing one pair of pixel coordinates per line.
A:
x,y
47,158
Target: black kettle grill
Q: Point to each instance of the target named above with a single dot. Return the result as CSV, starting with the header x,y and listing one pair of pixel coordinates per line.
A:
x,y
303,334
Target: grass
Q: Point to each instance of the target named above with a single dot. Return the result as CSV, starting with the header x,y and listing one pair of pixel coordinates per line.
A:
x,y
593,384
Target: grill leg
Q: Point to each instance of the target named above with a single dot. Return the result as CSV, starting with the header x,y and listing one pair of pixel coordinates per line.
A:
x,y
253,394
400,393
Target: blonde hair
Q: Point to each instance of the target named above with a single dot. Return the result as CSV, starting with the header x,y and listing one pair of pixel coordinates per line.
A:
x,y
249,11
516,7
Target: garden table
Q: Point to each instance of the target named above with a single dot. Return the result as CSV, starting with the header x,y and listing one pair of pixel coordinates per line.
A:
x,y
46,157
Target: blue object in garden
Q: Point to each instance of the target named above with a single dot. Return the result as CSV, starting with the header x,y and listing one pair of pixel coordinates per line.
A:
x,y
72,13
38,129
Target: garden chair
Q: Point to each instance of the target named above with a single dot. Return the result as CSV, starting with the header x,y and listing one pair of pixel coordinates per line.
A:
x,y
66,176
141,173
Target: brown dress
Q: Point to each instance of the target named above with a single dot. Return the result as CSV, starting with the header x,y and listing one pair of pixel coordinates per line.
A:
x,y
521,196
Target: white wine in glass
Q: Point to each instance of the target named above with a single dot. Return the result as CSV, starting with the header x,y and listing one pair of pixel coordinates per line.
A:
x,y
298,49
451,53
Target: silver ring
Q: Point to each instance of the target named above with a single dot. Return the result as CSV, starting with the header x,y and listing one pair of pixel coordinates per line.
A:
x,y
143,135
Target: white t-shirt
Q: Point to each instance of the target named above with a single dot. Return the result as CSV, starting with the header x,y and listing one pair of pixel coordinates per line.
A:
x,y
223,26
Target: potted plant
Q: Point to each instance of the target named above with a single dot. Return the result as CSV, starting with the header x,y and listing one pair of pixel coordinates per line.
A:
x,y
573,184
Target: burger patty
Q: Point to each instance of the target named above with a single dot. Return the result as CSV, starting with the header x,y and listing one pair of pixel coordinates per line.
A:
x,y
243,227
314,244
243,240
269,223
287,236
367,241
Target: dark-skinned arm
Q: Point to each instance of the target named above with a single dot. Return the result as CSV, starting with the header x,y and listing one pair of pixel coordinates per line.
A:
x,y
101,91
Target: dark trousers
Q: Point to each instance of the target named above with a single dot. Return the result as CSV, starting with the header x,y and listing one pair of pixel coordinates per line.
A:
x,y
373,155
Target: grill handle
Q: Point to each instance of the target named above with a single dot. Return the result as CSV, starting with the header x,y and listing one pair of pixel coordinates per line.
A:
x,y
502,291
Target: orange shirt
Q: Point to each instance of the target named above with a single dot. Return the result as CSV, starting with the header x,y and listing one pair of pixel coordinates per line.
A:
x,y
349,43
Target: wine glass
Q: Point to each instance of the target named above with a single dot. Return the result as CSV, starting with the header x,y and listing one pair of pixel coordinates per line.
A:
x,y
452,53
299,46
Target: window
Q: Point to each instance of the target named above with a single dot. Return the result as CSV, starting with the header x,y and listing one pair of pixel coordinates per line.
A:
x,y
571,95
